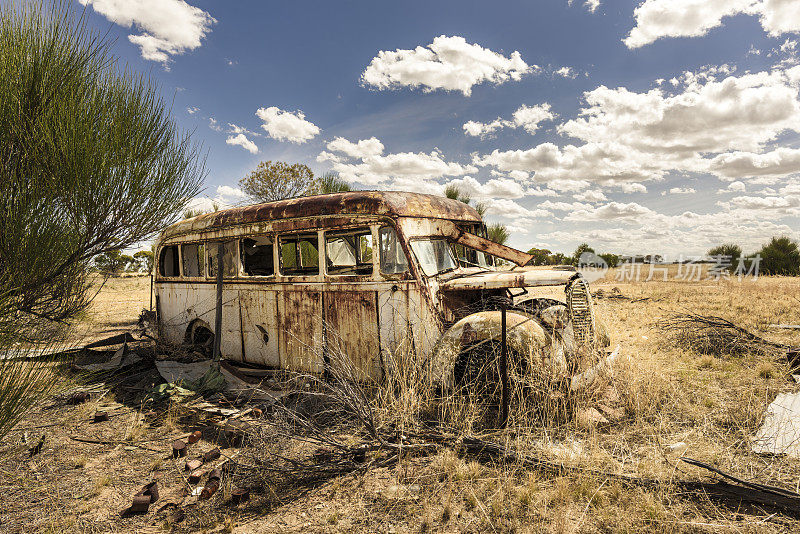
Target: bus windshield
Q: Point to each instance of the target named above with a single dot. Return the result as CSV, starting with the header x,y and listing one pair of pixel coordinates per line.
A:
x,y
434,256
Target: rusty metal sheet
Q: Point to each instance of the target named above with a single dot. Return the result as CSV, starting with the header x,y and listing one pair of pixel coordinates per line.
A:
x,y
382,203
490,247
300,329
351,319
507,279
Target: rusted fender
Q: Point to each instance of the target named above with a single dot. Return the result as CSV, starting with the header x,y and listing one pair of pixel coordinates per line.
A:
x,y
526,277
525,336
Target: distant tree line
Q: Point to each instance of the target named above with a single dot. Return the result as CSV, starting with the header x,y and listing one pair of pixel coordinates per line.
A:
x,y
780,256
115,262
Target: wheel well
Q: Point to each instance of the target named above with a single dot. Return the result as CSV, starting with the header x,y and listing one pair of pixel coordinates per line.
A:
x,y
198,333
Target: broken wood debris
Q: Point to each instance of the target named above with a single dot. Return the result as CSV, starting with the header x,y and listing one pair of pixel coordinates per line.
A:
x,y
211,455
79,397
142,500
195,476
194,437
709,334
99,417
178,449
192,465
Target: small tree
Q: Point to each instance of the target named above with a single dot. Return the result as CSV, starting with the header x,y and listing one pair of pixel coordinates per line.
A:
x,y
330,182
780,256
612,260
582,248
728,251
112,262
498,233
272,181
540,256
144,261
92,162
453,192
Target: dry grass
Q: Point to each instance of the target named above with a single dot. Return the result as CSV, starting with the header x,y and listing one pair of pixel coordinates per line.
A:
x,y
675,400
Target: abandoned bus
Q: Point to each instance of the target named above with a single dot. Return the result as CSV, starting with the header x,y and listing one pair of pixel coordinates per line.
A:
x,y
363,273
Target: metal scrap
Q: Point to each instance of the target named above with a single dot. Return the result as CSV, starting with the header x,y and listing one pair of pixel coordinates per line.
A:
x,y
122,358
780,432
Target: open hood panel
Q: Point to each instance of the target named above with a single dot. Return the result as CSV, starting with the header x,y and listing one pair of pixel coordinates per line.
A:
x,y
508,279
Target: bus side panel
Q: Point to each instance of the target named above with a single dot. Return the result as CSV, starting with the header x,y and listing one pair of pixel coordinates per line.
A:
x,y
231,345
352,321
260,326
171,312
180,304
393,318
300,329
424,323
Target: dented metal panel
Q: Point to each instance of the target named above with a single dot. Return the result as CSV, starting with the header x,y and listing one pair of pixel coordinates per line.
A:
x,y
300,329
351,319
259,309
231,342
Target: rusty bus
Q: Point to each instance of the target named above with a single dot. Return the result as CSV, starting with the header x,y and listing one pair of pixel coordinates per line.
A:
x,y
368,271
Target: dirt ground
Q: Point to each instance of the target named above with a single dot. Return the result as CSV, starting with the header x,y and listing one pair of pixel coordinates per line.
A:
x,y
676,402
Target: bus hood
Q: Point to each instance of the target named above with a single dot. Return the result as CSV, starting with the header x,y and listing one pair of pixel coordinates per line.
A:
x,y
518,278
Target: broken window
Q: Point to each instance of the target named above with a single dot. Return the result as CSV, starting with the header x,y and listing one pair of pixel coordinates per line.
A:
x,y
168,261
434,256
393,259
193,257
229,266
257,259
349,253
299,255
469,257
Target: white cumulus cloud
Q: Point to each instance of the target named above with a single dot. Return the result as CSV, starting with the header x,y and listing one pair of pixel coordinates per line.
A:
x,y
359,149
719,126
287,125
242,141
527,117
168,27
448,63
656,19
493,188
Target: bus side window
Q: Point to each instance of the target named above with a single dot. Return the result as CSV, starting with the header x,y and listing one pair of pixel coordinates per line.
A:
x,y
299,255
350,252
168,261
229,263
193,257
393,259
257,257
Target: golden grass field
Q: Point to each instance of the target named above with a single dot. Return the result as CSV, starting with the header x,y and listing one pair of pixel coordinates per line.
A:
x,y
675,402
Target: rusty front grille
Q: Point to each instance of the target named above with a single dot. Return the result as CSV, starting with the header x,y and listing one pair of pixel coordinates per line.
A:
x,y
579,304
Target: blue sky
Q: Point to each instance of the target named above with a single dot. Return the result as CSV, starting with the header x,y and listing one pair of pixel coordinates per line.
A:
x,y
663,126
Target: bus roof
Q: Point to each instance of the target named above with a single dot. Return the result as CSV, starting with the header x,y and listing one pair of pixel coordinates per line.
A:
x,y
385,203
